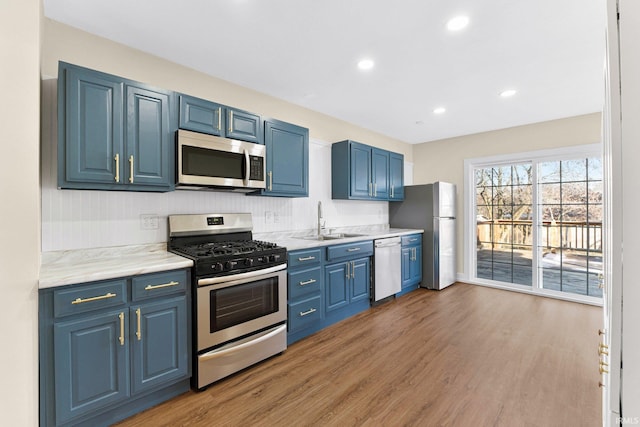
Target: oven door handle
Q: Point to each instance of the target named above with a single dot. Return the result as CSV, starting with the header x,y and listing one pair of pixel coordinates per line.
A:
x,y
235,278
234,348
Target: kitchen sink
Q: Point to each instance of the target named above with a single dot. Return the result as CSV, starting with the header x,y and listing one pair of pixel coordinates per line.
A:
x,y
335,236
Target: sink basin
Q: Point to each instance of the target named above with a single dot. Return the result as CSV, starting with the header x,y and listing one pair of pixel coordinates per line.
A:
x,y
335,236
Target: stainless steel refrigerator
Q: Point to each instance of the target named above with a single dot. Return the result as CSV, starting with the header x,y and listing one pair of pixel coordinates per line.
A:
x,y
431,207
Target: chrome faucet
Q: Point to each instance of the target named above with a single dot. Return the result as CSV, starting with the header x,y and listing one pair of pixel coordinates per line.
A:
x,y
321,221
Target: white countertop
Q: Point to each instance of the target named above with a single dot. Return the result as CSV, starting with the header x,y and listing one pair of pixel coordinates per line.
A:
x,y
87,265
301,240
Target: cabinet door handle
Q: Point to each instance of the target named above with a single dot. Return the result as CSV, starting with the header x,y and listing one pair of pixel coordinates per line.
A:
x,y
308,282
347,276
392,188
121,317
131,169
164,285
353,249
270,180
83,300
353,269
309,258
306,313
219,118
139,331
370,191
117,159
375,189
230,121
413,240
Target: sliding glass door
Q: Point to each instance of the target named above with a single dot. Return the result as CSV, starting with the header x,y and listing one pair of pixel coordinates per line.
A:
x,y
538,222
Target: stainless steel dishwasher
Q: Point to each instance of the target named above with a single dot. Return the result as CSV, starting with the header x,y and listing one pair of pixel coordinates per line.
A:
x,y
387,261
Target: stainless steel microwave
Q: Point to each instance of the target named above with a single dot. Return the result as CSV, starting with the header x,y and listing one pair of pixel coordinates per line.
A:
x,y
207,161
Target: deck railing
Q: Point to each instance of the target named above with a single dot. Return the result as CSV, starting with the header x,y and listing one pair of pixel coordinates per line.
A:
x,y
576,235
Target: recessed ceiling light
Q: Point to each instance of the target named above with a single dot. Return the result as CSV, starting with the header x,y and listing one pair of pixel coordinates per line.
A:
x,y
507,93
439,110
366,64
458,23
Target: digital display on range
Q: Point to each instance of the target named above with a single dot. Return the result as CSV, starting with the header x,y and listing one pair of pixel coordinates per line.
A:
x,y
215,220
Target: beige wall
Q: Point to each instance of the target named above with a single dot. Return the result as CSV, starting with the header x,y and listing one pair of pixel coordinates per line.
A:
x,y
444,160
64,43
19,217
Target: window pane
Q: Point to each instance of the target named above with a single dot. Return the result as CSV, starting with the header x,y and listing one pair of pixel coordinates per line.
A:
x,y
502,196
574,192
522,194
595,192
502,175
594,168
521,174
550,193
574,170
549,172
483,196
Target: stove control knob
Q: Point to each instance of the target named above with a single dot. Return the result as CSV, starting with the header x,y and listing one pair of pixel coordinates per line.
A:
x,y
230,264
217,266
248,262
274,258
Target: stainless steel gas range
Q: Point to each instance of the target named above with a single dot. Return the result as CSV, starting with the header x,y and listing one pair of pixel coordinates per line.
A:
x,y
240,297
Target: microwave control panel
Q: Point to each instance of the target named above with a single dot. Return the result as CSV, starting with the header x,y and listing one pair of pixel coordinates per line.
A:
x,y
257,168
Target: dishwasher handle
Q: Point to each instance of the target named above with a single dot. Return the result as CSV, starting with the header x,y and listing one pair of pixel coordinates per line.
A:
x,y
385,243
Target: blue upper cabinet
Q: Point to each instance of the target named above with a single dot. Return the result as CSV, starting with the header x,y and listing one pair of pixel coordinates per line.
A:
x,y
113,133
380,172
243,125
148,142
396,176
287,159
199,115
361,172
92,118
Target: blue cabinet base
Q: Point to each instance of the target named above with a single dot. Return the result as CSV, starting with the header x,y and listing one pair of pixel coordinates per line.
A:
x,y
408,289
134,406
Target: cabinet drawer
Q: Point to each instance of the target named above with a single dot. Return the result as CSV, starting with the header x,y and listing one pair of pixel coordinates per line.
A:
x,y
302,282
350,250
89,297
158,284
306,257
304,313
412,239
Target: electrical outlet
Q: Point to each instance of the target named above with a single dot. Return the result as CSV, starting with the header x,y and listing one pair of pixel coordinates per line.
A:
x,y
149,222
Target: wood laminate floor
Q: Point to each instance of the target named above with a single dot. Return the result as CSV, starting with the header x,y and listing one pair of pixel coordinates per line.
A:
x,y
464,356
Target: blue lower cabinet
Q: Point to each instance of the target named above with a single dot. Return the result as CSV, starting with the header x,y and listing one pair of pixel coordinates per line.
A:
x,y
91,356
305,287
411,263
105,356
347,288
160,344
305,313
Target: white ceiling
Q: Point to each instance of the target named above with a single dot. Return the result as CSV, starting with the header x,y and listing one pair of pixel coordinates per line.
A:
x,y
306,51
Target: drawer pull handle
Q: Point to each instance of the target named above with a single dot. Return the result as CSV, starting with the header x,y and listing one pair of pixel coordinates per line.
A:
x,y
308,312
353,249
231,121
81,300
139,331
413,240
219,118
165,285
308,258
121,317
308,282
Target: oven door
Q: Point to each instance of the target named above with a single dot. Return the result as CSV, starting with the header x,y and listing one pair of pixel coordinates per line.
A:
x,y
207,160
233,306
